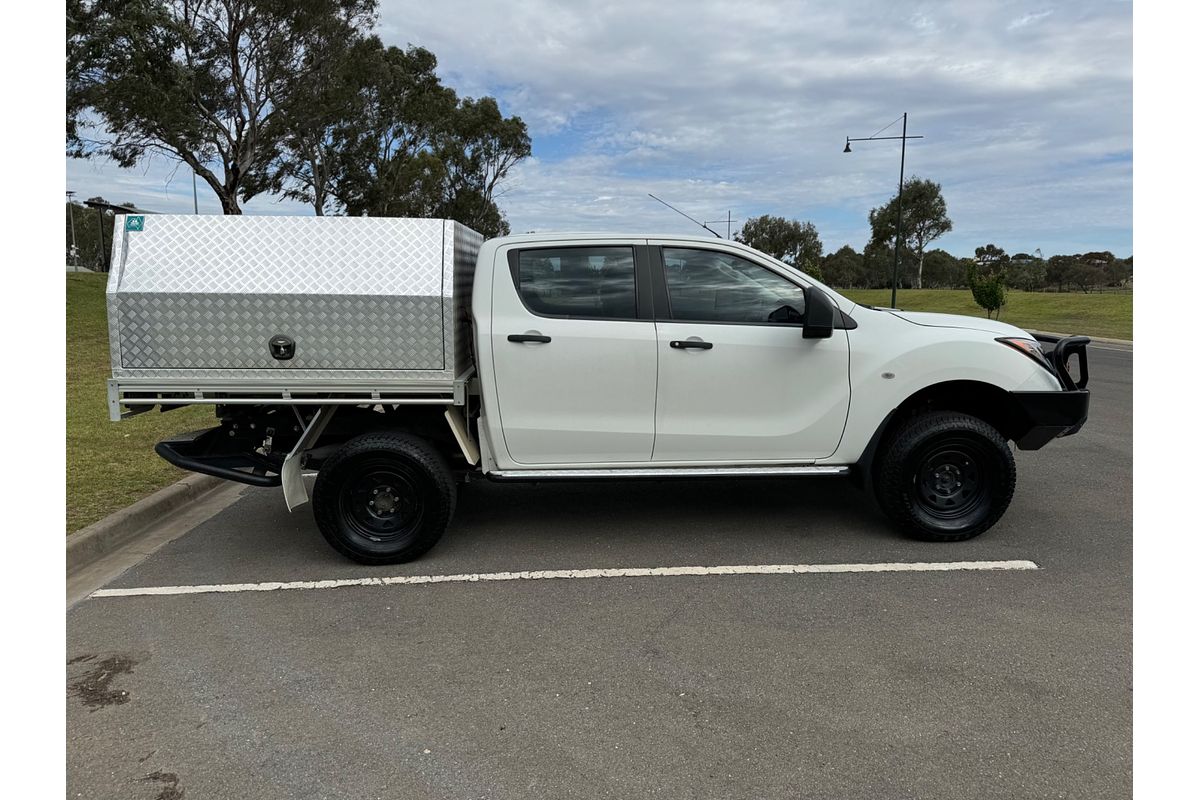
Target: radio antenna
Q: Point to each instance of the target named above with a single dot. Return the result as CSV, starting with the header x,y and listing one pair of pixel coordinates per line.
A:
x,y
677,211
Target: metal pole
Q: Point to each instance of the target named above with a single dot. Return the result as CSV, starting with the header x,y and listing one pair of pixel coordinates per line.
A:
x,y
74,247
899,209
195,200
729,224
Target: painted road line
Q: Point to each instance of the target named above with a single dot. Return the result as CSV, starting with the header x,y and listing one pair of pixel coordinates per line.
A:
x,y
554,574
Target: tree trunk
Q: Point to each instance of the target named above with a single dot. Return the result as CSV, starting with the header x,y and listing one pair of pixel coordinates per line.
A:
x,y
229,203
920,265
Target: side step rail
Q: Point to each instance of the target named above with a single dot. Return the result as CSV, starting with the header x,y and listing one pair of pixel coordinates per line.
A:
x,y
766,471
187,451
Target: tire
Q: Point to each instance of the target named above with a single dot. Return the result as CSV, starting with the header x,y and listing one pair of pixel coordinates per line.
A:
x,y
384,498
945,477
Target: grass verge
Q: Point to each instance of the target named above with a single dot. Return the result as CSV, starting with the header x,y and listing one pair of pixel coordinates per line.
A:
x,y
1109,315
109,464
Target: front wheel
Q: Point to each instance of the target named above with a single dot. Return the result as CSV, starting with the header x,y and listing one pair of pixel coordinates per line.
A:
x,y
946,477
384,498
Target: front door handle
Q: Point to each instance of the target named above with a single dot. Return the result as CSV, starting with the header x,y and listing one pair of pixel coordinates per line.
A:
x,y
535,338
690,344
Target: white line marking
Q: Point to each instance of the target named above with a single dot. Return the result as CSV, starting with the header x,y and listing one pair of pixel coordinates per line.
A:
x,y
548,574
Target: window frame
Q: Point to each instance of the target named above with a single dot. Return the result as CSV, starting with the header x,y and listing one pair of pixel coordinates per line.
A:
x,y
642,278
662,295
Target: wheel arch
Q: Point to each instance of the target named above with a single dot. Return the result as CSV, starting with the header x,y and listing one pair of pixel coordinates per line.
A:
x,y
988,402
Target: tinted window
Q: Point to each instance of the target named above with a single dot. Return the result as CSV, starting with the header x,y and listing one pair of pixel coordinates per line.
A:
x,y
707,286
595,282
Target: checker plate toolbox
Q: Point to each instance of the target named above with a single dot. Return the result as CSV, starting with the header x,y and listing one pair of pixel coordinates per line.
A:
x,y
289,310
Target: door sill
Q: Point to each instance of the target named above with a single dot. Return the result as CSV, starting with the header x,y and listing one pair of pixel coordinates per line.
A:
x,y
766,471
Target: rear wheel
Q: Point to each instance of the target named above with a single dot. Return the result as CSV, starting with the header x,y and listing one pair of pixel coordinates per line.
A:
x,y
946,477
384,498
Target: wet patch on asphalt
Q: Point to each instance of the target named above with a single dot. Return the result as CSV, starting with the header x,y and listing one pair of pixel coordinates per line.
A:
x,y
171,790
94,687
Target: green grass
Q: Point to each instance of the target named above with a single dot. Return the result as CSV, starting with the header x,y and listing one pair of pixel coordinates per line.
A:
x,y
1106,314
109,464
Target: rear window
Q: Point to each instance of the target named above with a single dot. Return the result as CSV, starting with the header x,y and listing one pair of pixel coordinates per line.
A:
x,y
578,282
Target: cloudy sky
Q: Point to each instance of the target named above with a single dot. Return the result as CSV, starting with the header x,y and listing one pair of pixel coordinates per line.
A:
x,y
744,108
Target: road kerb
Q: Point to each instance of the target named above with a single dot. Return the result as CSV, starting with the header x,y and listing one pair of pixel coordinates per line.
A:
x,y
97,540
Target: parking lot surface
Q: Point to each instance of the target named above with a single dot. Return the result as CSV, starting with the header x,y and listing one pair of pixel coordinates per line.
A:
x,y
956,684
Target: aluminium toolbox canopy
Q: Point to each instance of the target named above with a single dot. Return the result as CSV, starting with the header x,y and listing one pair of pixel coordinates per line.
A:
x,y
194,302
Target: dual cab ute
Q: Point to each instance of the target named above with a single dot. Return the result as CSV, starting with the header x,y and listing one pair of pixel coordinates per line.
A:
x,y
397,358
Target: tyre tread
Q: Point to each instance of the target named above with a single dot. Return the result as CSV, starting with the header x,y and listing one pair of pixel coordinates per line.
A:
x,y
892,484
410,446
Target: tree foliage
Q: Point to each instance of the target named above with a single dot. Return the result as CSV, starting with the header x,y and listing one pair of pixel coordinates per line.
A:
x,y
991,259
987,278
943,271
1027,272
286,97
201,81
844,268
924,219
792,242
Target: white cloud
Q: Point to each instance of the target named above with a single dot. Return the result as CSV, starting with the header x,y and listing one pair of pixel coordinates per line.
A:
x,y
715,106
1029,19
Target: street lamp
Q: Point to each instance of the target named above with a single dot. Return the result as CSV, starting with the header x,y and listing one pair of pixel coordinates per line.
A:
x,y
903,137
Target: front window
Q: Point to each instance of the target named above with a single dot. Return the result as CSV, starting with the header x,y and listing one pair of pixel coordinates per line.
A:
x,y
710,286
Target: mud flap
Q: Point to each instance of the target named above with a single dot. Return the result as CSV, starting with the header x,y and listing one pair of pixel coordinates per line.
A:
x,y
295,493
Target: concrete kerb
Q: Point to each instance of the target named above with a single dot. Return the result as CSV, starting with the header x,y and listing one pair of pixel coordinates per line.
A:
x,y
100,538
1099,339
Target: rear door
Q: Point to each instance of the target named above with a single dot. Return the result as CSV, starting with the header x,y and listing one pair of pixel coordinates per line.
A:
x,y
737,380
575,353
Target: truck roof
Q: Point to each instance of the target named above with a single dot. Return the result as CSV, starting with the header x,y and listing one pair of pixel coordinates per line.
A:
x,y
551,236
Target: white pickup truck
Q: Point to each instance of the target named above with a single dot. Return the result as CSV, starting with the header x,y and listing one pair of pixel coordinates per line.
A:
x,y
398,358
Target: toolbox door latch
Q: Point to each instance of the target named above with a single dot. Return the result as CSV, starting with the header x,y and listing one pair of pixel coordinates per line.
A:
x,y
282,347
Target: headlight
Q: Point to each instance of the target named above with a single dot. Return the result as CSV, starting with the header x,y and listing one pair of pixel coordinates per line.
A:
x,y
1030,348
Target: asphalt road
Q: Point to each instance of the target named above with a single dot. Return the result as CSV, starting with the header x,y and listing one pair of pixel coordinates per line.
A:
x,y
894,685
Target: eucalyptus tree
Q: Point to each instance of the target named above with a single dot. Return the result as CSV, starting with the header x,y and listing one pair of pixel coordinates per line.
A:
x,y
203,82
923,220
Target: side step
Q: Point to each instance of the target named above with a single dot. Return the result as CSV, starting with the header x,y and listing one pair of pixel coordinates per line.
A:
x,y
192,451
768,471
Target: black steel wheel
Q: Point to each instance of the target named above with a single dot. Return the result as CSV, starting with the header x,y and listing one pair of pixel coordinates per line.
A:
x,y
945,477
384,498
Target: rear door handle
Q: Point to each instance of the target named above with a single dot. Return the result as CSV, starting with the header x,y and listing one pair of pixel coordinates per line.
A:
x,y
690,344
535,338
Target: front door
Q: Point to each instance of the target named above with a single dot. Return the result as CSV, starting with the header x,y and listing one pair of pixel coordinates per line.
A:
x,y
737,380
574,351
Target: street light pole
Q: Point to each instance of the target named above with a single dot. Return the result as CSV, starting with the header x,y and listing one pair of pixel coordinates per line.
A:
x,y
899,210
71,215
903,137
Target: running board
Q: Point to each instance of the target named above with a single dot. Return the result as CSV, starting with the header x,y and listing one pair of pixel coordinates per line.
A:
x,y
665,472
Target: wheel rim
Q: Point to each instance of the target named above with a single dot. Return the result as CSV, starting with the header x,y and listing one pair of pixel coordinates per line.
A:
x,y
950,482
383,501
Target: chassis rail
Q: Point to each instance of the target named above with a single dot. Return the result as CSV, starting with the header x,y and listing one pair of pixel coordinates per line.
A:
x,y
129,397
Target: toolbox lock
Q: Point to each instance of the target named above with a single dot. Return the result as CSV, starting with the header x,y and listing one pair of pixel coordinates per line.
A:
x,y
282,347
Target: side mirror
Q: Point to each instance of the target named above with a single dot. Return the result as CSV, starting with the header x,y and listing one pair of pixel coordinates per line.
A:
x,y
819,313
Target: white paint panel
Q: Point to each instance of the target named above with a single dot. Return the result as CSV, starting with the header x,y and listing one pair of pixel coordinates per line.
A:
x,y
761,393
586,396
